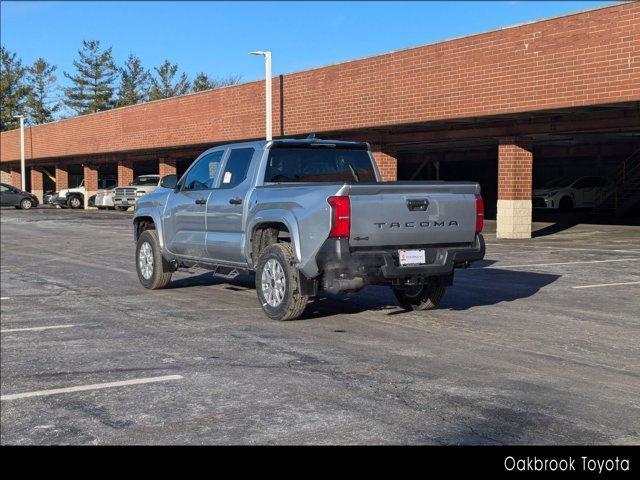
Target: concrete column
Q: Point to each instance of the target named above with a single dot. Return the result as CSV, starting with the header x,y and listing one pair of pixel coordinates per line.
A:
x,y
16,177
37,183
62,177
5,175
125,172
515,161
387,162
166,166
90,183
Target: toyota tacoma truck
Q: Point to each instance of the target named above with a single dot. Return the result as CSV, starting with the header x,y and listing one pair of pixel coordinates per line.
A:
x,y
308,216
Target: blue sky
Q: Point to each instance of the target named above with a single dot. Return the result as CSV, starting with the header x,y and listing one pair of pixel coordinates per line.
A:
x,y
215,37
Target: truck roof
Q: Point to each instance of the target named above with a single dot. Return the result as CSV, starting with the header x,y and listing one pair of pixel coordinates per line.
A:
x,y
292,142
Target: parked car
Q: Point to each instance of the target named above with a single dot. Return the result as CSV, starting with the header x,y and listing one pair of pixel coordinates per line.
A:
x,y
74,197
125,197
104,199
567,193
308,216
14,197
47,197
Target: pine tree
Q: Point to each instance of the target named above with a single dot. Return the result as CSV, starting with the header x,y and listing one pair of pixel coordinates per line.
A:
x,y
202,82
135,81
93,84
41,79
162,84
13,89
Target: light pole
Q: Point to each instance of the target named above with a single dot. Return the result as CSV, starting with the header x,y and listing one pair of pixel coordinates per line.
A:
x,y
267,83
23,173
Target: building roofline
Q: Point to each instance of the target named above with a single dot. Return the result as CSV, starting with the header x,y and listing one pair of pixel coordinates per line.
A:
x,y
382,54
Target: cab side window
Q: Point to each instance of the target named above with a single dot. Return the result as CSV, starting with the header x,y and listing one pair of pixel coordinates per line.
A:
x,y
237,166
203,175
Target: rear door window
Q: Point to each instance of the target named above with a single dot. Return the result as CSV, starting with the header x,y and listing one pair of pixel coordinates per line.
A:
x,y
237,167
313,164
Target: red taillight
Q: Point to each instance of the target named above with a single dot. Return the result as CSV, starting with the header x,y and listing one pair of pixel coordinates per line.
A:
x,y
479,213
340,217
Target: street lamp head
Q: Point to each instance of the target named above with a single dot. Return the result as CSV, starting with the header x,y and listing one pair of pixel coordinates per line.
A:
x,y
18,116
261,53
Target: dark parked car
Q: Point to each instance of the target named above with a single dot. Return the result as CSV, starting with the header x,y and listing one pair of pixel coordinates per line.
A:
x,y
14,197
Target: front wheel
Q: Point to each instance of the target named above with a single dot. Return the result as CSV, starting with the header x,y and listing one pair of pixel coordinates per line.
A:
x,y
26,204
75,202
278,283
153,271
419,297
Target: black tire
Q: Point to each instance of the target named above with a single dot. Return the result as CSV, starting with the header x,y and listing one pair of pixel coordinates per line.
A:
x,y
75,202
419,297
292,303
26,203
566,204
122,209
160,269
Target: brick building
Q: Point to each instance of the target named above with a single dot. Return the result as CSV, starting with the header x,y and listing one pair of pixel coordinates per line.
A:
x,y
504,108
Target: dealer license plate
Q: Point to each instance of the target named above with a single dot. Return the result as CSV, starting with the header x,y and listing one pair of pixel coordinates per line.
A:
x,y
411,257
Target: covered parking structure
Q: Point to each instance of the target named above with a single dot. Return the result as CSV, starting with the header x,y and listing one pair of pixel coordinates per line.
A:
x,y
505,108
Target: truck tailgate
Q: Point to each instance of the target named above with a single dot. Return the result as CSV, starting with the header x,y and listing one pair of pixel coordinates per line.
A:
x,y
415,213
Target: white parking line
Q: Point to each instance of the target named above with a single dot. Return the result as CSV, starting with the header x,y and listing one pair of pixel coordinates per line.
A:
x,y
549,247
4,298
35,329
552,264
95,386
607,284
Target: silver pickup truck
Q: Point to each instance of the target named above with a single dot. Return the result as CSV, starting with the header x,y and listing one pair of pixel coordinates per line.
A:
x,y
308,216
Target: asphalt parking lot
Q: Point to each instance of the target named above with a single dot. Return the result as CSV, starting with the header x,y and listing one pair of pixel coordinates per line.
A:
x,y
538,344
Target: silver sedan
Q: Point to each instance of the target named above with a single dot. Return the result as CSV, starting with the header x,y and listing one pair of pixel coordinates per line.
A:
x,y
104,199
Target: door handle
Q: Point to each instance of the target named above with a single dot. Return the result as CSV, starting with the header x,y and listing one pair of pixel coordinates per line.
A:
x,y
235,201
201,201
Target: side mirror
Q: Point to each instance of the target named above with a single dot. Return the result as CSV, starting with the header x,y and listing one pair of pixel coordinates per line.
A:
x,y
169,181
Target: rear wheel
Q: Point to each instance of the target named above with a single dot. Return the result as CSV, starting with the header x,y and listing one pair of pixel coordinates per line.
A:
x,y
278,283
75,202
153,270
26,203
419,297
123,209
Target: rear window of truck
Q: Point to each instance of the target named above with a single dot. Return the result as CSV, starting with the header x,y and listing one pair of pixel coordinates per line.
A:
x,y
313,164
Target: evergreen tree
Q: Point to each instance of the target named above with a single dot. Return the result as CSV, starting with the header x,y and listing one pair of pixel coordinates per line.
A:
x,y
13,89
163,85
93,83
135,81
41,79
202,82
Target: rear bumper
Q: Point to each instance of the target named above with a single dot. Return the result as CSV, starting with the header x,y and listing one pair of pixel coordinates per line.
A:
x,y
376,266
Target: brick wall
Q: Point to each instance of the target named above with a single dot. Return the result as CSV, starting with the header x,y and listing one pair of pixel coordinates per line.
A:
x,y
387,163
166,166
581,59
125,173
514,170
62,178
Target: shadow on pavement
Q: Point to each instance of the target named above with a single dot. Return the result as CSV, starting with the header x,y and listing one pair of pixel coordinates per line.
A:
x,y
471,288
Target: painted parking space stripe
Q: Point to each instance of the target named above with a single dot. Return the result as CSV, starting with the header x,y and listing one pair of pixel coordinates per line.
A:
x,y
95,386
553,264
607,285
35,329
549,247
